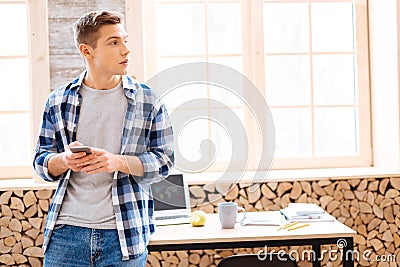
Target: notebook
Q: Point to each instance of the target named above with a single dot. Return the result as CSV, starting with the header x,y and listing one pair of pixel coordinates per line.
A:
x,y
171,200
306,212
305,208
324,217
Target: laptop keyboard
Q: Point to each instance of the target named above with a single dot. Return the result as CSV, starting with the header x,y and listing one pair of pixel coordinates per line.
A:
x,y
168,217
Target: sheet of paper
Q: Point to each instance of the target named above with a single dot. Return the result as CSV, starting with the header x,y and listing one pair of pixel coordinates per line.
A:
x,y
273,219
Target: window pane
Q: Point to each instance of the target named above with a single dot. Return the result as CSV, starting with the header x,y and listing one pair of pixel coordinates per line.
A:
x,y
186,95
190,135
180,29
161,1
235,63
335,132
13,19
292,132
225,131
15,145
334,79
286,27
287,80
14,77
224,29
332,26
166,63
227,96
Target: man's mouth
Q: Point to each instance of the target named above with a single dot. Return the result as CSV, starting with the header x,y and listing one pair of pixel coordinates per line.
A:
x,y
126,61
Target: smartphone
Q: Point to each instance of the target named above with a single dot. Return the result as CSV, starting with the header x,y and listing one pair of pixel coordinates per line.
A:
x,y
77,149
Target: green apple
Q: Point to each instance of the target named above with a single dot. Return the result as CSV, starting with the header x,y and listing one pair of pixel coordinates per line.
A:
x,y
198,218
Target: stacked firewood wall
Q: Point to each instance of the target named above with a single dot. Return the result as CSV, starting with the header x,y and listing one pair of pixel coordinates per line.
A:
x,y
369,206
23,214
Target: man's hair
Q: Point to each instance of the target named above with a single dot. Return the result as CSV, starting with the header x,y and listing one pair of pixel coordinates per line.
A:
x,y
87,27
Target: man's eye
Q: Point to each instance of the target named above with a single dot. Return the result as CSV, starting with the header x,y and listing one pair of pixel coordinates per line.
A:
x,y
114,42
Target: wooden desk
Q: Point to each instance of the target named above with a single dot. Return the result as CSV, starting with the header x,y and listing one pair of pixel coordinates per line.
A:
x,y
212,236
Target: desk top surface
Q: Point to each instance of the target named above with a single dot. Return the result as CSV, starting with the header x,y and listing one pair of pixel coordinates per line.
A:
x,y
212,232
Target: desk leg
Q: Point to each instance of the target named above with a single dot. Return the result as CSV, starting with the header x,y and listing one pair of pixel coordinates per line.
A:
x,y
348,253
316,247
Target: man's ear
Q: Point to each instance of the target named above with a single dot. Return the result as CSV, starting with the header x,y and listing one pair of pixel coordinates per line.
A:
x,y
85,50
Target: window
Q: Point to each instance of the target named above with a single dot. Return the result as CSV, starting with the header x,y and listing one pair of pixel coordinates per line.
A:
x,y
20,107
208,31
316,81
308,57
15,141
256,55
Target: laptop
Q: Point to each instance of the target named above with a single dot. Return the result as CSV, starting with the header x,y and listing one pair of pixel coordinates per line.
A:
x,y
171,201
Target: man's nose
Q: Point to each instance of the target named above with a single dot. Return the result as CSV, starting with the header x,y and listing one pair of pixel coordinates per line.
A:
x,y
126,50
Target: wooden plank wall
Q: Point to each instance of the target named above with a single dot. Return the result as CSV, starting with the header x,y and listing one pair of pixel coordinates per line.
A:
x,y
65,62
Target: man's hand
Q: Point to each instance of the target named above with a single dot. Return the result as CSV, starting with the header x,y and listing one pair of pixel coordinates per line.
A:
x,y
60,163
101,161
75,161
104,161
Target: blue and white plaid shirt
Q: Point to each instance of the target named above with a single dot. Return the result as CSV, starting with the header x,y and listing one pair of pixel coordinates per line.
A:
x,y
147,134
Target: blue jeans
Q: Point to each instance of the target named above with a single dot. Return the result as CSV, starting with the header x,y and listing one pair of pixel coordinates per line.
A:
x,y
73,246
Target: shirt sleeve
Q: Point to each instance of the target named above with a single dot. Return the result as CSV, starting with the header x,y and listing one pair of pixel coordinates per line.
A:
x,y
159,160
46,147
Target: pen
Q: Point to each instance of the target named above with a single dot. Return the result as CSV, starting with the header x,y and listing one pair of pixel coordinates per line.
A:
x,y
297,227
302,217
287,225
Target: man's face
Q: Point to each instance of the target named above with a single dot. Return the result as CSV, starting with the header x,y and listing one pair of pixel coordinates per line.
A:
x,y
111,55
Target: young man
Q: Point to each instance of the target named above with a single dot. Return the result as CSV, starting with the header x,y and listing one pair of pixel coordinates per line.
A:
x,y
102,211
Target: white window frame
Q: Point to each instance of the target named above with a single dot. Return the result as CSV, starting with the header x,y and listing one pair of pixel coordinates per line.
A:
x,y
39,78
39,67
365,155
253,52
384,30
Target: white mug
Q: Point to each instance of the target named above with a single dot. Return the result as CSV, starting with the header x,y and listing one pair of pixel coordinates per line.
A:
x,y
227,212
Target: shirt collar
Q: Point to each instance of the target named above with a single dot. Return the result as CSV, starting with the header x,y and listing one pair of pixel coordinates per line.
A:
x,y
76,84
130,86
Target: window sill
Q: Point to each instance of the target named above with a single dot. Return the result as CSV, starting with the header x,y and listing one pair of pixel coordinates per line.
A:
x,y
25,184
272,176
294,175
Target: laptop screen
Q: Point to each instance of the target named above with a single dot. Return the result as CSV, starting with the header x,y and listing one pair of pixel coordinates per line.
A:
x,y
169,194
